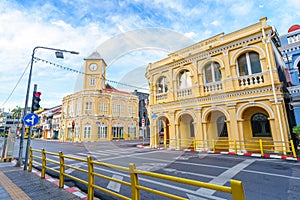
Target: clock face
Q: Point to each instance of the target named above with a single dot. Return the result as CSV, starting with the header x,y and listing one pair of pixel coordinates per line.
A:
x,y
93,66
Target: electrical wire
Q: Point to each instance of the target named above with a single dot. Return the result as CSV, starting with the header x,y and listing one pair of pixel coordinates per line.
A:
x,y
79,72
15,85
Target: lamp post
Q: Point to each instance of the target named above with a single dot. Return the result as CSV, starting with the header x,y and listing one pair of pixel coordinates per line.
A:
x,y
59,54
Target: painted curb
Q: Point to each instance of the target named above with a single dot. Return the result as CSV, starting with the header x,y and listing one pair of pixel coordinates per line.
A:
x,y
72,190
268,156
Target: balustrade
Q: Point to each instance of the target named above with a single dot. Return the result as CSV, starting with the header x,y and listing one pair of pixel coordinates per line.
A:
x,y
253,79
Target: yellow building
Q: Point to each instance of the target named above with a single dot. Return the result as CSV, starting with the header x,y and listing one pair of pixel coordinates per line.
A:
x,y
226,87
98,112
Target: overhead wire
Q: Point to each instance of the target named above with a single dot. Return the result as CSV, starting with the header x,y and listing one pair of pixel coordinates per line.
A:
x,y
79,72
16,85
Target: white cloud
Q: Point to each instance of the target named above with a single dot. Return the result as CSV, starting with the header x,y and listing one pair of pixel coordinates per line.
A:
x,y
215,23
190,35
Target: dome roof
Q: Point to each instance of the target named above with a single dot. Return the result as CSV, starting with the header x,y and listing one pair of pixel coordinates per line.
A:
x,y
294,28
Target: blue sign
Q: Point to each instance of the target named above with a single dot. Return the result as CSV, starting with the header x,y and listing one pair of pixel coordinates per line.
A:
x,y
31,119
154,116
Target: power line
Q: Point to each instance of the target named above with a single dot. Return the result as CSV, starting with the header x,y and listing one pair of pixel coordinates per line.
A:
x,y
79,72
15,85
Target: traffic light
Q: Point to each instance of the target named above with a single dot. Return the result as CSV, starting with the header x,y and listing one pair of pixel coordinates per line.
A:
x,y
36,101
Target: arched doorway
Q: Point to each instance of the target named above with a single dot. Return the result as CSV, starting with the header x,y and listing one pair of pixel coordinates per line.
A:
x,y
217,131
186,132
256,126
163,132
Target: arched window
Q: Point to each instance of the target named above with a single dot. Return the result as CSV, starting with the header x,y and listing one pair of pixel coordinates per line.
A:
x,y
222,127
162,86
184,79
248,63
192,131
260,125
212,72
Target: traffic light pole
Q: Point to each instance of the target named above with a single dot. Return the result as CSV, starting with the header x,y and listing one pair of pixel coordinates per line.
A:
x,y
29,132
20,161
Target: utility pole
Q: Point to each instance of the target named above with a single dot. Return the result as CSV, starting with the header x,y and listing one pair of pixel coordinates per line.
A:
x,y
59,54
29,132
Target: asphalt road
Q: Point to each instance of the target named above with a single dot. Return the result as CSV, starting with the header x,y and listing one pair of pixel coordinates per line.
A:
x,y
265,179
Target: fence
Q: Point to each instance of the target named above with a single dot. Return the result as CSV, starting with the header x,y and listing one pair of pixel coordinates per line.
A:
x,y
235,189
234,146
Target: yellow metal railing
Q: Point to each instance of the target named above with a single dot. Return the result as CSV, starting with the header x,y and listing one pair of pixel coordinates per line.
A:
x,y
235,189
250,146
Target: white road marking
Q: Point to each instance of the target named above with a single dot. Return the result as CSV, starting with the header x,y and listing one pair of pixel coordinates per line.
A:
x,y
189,173
163,184
269,174
226,176
114,186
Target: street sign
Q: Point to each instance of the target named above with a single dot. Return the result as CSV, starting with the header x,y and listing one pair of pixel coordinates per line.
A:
x,y
31,119
154,116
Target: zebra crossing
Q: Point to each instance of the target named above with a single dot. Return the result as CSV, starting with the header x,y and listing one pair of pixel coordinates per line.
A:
x,y
96,154
100,153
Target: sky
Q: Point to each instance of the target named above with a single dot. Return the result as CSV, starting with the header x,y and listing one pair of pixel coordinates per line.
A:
x,y
128,35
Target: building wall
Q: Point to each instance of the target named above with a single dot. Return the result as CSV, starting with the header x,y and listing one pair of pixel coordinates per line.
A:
x,y
290,49
98,112
193,103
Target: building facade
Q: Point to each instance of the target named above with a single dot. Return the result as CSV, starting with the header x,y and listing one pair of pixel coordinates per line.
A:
x,y
98,112
290,49
144,122
48,126
227,87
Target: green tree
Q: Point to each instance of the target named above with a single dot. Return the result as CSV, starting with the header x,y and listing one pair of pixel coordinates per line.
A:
x,y
17,112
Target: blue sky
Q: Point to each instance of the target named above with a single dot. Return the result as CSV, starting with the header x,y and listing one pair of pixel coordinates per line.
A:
x,y
86,26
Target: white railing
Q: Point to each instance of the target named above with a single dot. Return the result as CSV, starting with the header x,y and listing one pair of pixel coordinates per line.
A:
x,y
253,79
212,87
294,89
161,96
184,92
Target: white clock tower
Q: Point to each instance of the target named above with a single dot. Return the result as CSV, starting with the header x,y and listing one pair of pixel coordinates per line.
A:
x,y
95,72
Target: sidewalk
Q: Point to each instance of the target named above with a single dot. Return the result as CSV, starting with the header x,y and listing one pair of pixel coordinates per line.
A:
x,y
15,183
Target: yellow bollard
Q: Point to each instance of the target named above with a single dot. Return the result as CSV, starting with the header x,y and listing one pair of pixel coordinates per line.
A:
x,y
235,147
237,190
61,170
261,148
30,160
90,178
43,172
135,193
293,149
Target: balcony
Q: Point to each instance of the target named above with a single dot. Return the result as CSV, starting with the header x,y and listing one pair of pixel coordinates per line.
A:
x,y
186,92
213,87
294,90
161,96
254,79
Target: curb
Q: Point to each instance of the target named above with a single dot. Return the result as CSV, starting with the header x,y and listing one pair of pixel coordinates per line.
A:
x,y
7,159
269,156
72,190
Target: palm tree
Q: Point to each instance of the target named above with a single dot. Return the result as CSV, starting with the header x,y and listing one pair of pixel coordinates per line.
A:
x,y
17,112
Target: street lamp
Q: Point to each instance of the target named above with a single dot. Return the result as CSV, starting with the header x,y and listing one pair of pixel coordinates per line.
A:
x,y
59,54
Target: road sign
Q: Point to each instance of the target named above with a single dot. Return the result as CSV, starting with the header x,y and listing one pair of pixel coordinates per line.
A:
x,y
31,119
154,116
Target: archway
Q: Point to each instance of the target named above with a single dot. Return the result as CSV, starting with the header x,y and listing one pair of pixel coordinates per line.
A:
x,y
163,131
217,131
186,131
255,126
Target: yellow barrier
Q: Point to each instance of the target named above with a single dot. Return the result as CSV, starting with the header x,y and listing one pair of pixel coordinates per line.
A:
x,y
250,146
236,187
